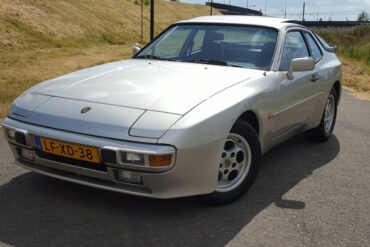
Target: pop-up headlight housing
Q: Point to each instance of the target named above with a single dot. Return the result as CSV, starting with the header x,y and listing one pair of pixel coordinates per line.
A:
x,y
153,124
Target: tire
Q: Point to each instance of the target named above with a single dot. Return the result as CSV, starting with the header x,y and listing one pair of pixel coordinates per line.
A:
x,y
239,165
324,131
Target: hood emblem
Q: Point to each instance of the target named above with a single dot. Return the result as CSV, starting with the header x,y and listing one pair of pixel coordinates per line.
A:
x,y
85,109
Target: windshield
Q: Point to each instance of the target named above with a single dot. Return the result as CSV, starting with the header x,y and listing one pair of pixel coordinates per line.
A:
x,y
240,46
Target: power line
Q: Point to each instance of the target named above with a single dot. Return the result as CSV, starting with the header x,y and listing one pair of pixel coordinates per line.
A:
x,y
322,13
300,14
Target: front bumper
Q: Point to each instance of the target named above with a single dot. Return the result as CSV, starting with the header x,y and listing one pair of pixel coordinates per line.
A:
x,y
193,172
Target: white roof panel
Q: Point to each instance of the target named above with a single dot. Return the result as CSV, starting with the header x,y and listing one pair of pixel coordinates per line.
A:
x,y
242,19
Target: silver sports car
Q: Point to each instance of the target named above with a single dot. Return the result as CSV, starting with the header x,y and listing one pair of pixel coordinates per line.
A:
x,y
190,114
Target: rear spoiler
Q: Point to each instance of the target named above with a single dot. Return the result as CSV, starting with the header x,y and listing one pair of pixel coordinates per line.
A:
x,y
327,47
332,49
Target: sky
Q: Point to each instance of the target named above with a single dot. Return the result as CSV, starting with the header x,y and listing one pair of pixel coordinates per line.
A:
x,y
315,9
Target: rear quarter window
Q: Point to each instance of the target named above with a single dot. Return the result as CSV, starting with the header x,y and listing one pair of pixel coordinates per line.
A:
x,y
315,50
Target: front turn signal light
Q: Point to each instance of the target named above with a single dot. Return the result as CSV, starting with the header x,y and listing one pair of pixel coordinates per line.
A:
x,y
160,160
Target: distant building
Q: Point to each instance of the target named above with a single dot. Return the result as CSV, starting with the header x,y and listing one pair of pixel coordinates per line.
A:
x,y
233,10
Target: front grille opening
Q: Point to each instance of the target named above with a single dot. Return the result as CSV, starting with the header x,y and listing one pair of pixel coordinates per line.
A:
x,y
73,162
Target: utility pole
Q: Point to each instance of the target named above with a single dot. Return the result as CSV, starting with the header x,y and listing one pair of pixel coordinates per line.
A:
x,y
285,10
211,6
151,19
265,7
142,21
247,4
318,13
304,6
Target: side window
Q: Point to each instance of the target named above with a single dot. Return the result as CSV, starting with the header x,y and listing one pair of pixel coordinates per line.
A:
x,y
315,50
294,47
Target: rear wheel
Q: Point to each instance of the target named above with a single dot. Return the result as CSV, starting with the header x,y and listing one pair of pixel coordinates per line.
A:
x,y
239,164
324,131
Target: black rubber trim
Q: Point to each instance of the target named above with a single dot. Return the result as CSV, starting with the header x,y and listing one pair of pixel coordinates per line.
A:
x,y
73,162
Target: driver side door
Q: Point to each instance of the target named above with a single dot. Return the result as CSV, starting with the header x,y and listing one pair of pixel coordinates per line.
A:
x,y
296,96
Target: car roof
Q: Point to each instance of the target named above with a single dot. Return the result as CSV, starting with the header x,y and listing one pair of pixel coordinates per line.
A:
x,y
243,20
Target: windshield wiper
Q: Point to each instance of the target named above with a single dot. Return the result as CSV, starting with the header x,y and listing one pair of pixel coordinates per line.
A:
x,y
234,65
212,61
206,61
154,57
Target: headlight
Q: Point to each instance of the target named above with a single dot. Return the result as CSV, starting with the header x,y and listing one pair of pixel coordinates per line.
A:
x,y
158,160
10,133
153,124
133,158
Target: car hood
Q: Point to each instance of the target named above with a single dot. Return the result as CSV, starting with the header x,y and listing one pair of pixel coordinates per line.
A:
x,y
172,87
125,100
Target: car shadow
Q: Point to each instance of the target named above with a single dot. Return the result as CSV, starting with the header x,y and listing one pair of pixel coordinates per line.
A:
x,y
39,211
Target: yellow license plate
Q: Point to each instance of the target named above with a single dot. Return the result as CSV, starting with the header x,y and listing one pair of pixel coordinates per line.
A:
x,y
69,150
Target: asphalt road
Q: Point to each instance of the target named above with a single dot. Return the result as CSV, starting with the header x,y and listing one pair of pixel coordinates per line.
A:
x,y
305,195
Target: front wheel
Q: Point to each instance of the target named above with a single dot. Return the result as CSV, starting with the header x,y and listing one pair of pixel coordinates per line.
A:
x,y
239,164
324,131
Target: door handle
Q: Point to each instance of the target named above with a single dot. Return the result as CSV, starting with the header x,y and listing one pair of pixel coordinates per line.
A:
x,y
315,78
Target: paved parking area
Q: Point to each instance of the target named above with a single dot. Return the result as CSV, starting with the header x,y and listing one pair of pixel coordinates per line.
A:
x,y
305,195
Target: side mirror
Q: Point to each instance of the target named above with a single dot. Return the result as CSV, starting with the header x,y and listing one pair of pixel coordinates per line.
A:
x,y
135,49
300,64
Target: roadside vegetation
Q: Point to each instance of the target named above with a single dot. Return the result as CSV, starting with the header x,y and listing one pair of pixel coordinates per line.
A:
x,y
43,39
353,48
352,43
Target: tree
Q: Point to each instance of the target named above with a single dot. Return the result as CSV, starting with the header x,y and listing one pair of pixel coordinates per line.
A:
x,y
363,16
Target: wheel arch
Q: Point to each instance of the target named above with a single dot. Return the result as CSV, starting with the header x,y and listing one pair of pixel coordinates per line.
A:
x,y
251,117
338,88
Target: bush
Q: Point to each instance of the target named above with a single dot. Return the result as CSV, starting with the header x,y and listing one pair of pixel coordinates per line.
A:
x,y
351,42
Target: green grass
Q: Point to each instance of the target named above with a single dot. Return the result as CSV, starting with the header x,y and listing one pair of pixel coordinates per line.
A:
x,y
42,39
352,43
